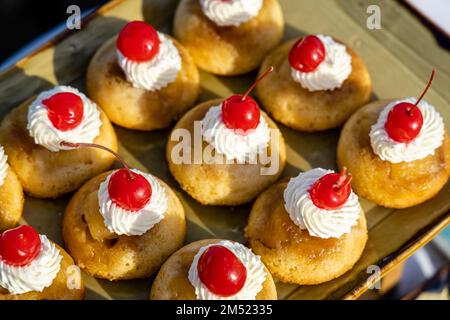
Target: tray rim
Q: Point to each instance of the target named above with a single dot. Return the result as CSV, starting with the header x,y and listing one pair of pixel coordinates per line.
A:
x,y
393,260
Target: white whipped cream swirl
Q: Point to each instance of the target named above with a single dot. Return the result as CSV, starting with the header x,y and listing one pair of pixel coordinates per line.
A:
x,y
3,165
256,274
231,12
233,145
156,73
429,138
319,222
331,72
45,134
37,275
133,223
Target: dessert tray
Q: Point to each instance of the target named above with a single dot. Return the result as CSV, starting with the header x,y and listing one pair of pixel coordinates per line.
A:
x,y
390,53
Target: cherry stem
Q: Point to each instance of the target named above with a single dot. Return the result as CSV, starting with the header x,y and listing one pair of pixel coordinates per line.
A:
x,y
427,87
344,179
256,82
98,146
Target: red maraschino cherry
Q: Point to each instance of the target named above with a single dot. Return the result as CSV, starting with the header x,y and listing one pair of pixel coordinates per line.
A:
x,y
307,53
240,112
65,110
332,190
138,41
127,189
221,271
19,246
405,120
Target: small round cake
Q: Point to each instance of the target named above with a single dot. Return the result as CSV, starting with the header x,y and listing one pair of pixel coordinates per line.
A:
x,y
317,84
215,162
34,268
229,37
213,270
143,79
31,135
308,230
11,201
392,173
123,224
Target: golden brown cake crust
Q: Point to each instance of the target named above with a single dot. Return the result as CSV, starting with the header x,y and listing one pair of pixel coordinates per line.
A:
x,y
221,184
291,254
289,103
393,185
46,174
172,282
122,257
11,201
136,108
58,290
228,50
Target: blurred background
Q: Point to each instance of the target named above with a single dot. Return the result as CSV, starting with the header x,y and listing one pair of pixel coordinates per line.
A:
x,y
25,25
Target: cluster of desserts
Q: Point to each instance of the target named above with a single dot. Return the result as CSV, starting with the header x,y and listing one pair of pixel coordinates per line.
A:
x,y
128,224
